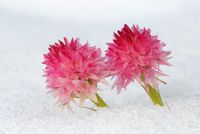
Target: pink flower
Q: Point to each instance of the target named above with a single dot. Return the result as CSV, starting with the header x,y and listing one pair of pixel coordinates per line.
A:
x,y
73,71
136,54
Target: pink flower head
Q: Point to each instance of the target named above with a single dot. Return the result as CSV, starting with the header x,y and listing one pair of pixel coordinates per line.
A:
x,y
73,70
135,54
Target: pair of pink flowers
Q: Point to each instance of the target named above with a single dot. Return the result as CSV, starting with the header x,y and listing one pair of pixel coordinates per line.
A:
x,y
73,70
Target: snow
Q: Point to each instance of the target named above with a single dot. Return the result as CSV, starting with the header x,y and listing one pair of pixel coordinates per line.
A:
x,y
27,27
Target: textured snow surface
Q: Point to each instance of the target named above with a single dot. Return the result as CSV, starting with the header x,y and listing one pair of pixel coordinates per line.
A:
x,y
27,27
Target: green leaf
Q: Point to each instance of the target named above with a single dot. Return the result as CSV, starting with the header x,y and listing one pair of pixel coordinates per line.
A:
x,y
89,108
100,102
155,96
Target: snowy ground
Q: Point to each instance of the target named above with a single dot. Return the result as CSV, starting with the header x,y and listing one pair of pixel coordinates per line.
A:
x,y
28,26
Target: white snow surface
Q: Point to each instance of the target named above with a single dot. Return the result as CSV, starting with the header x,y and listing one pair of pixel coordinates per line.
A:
x,y
27,27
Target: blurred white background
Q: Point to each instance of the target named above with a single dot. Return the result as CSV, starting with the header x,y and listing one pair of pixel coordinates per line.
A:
x,y
27,27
